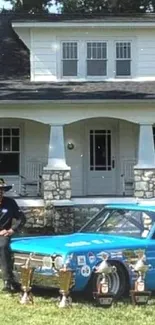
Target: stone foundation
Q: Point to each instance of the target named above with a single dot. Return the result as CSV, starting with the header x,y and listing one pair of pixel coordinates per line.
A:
x,y
56,185
144,183
58,220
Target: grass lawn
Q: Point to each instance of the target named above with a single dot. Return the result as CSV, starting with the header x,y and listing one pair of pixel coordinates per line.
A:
x,y
45,312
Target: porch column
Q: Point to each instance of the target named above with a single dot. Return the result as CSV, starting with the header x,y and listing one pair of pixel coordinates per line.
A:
x,y
56,149
56,175
144,171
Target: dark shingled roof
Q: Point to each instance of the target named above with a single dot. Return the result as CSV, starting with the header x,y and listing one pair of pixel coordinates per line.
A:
x,y
25,90
14,56
124,17
15,70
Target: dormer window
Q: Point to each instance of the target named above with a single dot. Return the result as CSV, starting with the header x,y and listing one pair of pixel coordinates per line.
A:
x,y
69,59
96,59
123,59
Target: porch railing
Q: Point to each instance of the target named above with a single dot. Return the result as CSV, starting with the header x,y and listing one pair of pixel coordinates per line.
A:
x,y
127,175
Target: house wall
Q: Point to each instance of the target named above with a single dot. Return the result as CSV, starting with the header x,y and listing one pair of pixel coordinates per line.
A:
x,y
36,139
45,48
24,35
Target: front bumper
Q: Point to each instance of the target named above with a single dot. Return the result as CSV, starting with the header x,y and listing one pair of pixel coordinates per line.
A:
x,y
63,279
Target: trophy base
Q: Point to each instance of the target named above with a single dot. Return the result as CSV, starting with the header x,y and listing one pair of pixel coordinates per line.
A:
x,y
140,298
26,298
105,300
65,302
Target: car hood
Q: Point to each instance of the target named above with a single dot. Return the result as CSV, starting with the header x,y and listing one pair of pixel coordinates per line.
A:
x,y
78,242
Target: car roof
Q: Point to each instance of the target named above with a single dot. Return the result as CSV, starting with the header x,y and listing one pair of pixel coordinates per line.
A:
x,y
142,206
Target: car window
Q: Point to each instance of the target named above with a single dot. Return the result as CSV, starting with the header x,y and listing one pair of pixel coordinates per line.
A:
x,y
134,223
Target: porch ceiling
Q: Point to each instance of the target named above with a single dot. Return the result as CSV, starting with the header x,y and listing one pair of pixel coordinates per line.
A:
x,y
26,90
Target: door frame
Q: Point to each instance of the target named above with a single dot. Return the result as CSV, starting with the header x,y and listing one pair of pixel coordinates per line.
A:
x,y
95,123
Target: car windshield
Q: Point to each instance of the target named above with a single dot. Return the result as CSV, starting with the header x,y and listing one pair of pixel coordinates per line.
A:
x,y
121,222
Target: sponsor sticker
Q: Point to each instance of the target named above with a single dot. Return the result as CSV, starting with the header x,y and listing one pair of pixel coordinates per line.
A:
x,y
76,244
85,271
81,260
91,257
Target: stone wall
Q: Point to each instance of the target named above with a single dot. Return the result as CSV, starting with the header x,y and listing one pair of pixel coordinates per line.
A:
x,y
144,183
58,220
56,185
71,219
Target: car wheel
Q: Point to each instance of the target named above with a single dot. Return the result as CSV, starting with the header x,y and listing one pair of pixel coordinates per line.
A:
x,y
118,281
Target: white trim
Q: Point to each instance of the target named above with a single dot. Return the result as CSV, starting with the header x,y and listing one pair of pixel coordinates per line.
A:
x,y
111,59
32,71
85,24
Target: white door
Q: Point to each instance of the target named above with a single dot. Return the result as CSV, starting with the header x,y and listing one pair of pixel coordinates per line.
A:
x,y
101,174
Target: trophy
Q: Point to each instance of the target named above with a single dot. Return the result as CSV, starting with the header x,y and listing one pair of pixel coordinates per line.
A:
x,y
66,283
104,296
26,279
136,261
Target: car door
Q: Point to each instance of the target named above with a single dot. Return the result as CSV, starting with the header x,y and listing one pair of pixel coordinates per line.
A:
x,y
150,260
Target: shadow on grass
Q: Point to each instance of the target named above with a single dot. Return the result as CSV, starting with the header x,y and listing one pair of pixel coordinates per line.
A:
x,y
79,297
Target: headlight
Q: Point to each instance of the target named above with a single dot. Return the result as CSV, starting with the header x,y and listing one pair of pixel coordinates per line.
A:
x,y
47,262
58,262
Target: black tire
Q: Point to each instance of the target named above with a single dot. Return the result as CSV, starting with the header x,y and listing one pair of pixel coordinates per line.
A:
x,y
119,281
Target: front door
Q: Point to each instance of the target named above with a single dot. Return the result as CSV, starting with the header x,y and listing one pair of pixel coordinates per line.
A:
x,y
101,177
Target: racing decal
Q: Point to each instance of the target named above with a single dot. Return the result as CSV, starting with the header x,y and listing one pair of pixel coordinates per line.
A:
x,y
76,244
96,241
91,257
116,254
81,260
85,271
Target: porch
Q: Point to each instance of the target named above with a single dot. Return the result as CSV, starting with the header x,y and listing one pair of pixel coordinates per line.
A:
x,y
101,153
30,183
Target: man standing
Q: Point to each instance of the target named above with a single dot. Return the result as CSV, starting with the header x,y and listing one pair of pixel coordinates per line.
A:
x,y
9,210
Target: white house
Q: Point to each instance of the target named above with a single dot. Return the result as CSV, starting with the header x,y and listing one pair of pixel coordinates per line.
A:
x,y
88,107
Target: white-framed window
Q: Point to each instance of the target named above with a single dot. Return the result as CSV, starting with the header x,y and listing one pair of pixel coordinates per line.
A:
x,y
96,58
9,151
69,59
123,59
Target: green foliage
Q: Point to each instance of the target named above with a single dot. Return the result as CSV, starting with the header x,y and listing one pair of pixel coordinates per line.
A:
x,y
105,6
30,6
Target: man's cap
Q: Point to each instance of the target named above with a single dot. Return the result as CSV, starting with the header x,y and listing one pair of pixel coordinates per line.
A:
x,y
4,186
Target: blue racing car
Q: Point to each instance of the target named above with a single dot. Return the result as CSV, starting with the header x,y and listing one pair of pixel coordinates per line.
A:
x,y
114,231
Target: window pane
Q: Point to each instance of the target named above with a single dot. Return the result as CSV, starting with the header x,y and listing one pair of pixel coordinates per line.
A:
x,y
9,164
6,132
96,68
0,132
123,68
96,50
15,132
100,151
89,51
69,50
6,144
15,144
91,151
0,144
123,50
70,68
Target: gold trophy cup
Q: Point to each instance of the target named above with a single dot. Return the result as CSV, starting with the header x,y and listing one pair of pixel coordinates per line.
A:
x,y
26,280
66,283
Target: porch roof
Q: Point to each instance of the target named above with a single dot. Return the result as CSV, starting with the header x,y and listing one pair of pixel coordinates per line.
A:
x,y
19,90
